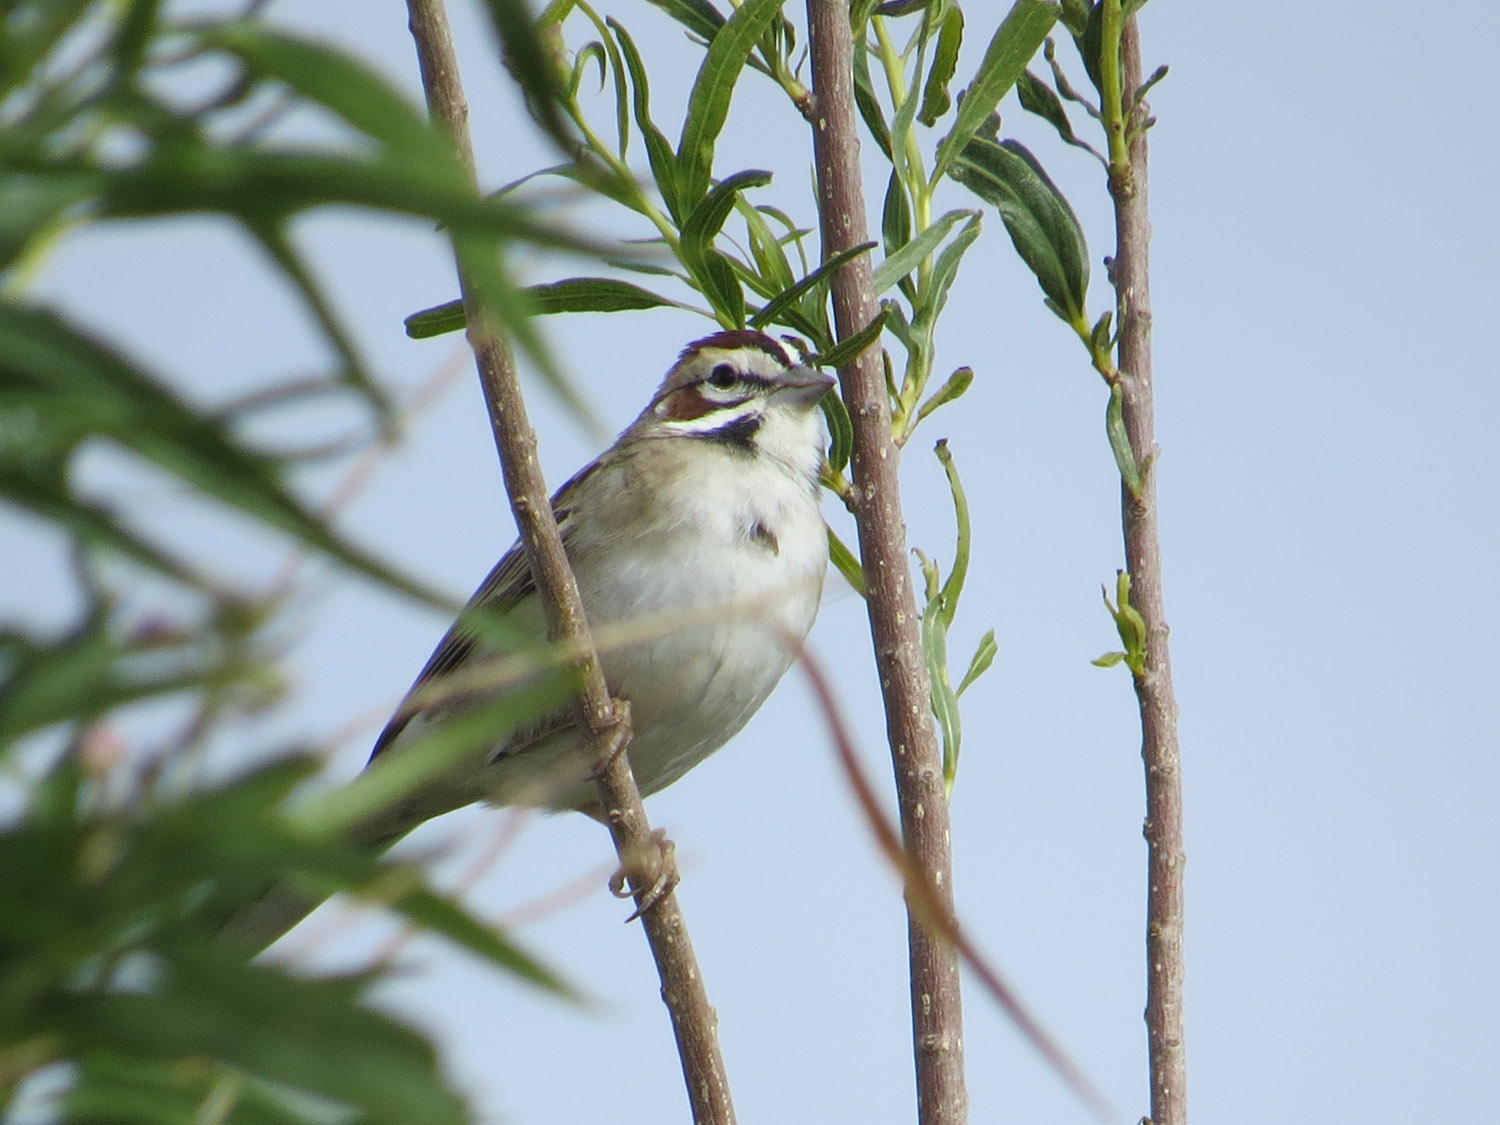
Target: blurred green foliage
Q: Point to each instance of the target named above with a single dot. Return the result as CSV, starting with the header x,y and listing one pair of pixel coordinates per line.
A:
x,y
120,998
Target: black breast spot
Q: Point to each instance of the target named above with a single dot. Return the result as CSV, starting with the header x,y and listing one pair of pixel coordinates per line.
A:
x,y
763,535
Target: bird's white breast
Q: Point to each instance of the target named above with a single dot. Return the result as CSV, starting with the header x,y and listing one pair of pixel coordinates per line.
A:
x,y
744,554
701,571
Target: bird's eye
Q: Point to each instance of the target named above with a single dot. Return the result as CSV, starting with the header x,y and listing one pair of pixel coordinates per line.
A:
x,y
723,377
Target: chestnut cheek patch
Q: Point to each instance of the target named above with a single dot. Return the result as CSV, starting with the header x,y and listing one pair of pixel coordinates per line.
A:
x,y
685,405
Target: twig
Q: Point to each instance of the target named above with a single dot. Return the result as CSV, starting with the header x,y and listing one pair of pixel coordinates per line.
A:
x,y
936,999
1153,683
693,1019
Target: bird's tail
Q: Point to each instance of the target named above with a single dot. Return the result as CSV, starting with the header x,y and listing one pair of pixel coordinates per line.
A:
x,y
284,904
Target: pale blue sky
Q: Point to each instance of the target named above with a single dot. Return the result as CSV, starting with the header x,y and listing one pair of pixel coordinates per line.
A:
x,y
1323,187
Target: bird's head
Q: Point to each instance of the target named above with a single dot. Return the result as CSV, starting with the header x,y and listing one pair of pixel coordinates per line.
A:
x,y
743,390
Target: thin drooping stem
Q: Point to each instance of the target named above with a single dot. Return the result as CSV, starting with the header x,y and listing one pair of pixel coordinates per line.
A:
x,y
1166,858
642,857
936,999
925,896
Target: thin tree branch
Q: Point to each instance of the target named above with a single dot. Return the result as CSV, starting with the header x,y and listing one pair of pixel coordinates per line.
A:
x,y
936,999
642,857
924,896
1153,683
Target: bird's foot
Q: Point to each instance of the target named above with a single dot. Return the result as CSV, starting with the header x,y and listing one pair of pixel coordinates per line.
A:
x,y
617,738
660,871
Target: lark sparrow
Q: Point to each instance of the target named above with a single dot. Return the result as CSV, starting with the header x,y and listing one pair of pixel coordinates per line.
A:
x,y
706,506
707,501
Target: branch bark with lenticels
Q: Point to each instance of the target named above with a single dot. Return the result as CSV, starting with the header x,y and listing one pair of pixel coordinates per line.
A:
x,y
1126,119
895,622
642,856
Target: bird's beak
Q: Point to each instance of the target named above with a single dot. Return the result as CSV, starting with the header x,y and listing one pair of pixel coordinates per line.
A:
x,y
806,384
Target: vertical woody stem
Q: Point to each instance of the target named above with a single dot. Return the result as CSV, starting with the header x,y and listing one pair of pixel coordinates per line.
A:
x,y
936,1000
607,721
1153,684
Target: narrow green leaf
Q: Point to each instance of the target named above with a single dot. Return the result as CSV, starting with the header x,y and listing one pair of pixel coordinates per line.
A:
x,y
934,295
272,237
32,35
765,248
208,1005
1145,88
906,259
535,69
622,92
721,286
441,916
708,104
594,294
99,388
846,562
1128,623
1075,15
895,218
840,431
336,81
1108,660
1119,440
902,124
714,274
1039,98
953,388
93,524
901,329
590,53
1042,226
778,49
659,154
574,294
1014,43
1090,42
984,656
853,344
90,673
33,208
394,776
935,99
708,217
953,588
775,307
868,102
1099,340
943,699
795,235
698,16
258,185
436,321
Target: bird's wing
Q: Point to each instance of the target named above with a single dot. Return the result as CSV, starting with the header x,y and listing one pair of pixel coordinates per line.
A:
x,y
506,586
